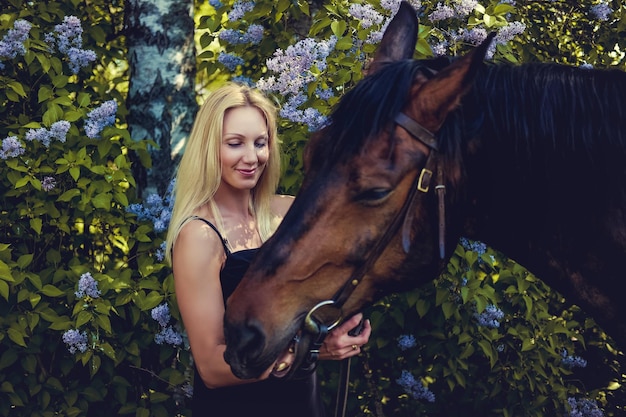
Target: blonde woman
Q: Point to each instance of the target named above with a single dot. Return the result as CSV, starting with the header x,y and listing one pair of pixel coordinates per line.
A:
x,y
225,208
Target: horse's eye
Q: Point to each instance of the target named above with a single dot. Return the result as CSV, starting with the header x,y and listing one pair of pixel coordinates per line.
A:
x,y
373,196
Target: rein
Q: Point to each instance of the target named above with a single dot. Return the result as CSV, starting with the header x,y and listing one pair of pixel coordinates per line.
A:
x,y
404,218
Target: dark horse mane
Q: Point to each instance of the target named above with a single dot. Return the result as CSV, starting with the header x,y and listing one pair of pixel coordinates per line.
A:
x,y
534,106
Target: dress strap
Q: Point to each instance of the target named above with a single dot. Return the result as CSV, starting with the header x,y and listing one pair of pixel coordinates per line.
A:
x,y
224,241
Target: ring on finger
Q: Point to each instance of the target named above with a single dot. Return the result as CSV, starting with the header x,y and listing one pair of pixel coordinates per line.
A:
x,y
354,347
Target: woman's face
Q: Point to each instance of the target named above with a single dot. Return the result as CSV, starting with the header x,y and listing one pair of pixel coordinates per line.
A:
x,y
245,147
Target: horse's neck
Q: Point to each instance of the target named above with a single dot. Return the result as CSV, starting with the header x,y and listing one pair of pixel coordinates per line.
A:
x,y
560,217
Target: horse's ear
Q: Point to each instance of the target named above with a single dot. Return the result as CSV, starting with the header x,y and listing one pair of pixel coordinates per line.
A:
x,y
442,94
399,39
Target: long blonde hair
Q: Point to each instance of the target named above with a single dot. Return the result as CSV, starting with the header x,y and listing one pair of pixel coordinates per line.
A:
x,y
199,173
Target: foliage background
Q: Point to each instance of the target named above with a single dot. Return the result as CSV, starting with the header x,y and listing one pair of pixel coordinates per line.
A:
x,y
92,223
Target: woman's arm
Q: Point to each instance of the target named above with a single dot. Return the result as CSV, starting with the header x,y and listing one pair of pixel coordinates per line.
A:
x,y
198,256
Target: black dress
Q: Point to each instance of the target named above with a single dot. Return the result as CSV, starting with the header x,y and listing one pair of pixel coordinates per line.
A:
x,y
272,397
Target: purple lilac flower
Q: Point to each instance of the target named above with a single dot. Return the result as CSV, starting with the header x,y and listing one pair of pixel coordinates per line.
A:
x,y
474,36
240,8
441,48
230,61
294,64
187,390
160,252
11,148
242,79
168,335
75,340
474,246
59,130
156,209
415,388
406,341
583,408
87,286
490,317
100,117
508,32
161,314
366,14
48,183
41,134
12,44
463,8
253,35
394,5
325,93
67,38
79,58
441,12
601,11
570,361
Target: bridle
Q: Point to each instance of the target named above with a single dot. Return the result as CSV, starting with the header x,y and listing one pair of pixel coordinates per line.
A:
x,y
318,329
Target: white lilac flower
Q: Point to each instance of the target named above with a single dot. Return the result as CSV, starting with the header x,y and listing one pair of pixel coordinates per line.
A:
x,y
100,117
75,340
11,148
87,286
12,44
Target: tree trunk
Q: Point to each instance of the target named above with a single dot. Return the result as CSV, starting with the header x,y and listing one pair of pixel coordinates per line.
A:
x,y
161,98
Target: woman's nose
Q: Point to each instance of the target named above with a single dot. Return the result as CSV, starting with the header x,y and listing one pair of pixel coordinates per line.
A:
x,y
250,155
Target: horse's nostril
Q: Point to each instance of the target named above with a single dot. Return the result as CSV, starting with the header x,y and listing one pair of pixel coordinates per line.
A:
x,y
244,345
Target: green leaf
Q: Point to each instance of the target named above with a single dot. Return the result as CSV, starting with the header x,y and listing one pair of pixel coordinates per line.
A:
x,y
51,291
36,224
24,260
338,27
69,194
17,337
4,290
18,88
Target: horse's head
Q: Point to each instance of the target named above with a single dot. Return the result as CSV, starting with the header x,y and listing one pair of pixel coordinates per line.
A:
x,y
365,222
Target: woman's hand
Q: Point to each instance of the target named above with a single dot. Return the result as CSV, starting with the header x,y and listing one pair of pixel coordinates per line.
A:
x,y
340,345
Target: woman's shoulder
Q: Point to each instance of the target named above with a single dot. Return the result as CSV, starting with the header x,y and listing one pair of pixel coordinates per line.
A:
x,y
281,203
198,232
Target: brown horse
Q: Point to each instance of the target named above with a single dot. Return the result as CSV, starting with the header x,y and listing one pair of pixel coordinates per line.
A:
x,y
530,159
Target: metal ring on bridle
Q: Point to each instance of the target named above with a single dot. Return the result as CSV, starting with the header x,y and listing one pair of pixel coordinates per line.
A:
x,y
311,324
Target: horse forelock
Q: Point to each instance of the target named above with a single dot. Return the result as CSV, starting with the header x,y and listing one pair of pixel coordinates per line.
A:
x,y
365,111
